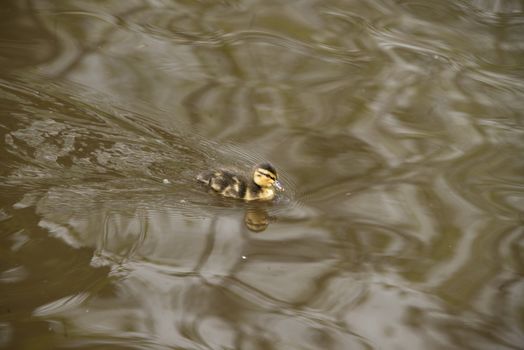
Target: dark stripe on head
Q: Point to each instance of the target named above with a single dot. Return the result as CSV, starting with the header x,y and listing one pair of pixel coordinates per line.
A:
x,y
266,174
268,167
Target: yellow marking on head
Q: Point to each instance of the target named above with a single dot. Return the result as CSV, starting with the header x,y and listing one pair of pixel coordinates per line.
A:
x,y
263,177
266,173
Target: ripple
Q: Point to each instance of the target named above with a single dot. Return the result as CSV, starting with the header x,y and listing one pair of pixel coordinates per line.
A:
x,y
472,173
396,128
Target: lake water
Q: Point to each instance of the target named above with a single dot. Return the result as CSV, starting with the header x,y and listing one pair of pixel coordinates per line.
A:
x,y
397,128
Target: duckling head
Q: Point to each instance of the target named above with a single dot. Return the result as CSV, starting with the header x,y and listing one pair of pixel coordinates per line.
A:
x,y
265,176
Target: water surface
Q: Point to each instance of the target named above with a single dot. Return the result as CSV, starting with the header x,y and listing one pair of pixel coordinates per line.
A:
x,y
397,129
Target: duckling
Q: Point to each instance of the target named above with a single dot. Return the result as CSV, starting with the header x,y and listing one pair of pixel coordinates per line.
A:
x,y
261,187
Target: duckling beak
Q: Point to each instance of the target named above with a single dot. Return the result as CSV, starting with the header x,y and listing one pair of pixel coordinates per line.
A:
x,y
278,185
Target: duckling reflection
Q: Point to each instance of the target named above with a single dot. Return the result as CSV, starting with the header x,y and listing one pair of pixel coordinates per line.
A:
x,y
260,187
256,219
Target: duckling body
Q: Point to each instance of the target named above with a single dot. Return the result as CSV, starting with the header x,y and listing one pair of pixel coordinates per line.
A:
x,y
228,184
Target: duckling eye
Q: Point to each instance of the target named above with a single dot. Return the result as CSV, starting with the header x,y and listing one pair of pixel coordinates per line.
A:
x,y
268,178
267,175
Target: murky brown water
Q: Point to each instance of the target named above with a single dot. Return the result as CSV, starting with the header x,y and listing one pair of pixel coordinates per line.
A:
x,y
398,129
